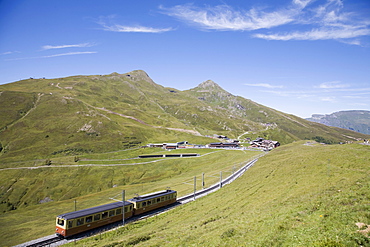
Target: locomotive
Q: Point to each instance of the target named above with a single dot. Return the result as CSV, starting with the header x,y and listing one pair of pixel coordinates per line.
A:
x,y
72,223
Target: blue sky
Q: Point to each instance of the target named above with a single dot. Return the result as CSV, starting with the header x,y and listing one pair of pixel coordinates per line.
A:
x,y
297,56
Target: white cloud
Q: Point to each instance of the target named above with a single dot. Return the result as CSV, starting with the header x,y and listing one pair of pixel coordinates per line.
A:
x,y
328,22
324,33
70,53
225,18
55,55
328,99
359,104
333,85
108,25
48,47
265,85
9,52
135,29
302,3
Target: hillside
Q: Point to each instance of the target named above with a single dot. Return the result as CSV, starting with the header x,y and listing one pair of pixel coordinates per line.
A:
x,y
80,136
46,118
353,120
301,194
276,125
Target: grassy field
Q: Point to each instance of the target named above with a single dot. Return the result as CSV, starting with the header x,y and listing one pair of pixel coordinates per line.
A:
x,y
47,118
296,195
92,186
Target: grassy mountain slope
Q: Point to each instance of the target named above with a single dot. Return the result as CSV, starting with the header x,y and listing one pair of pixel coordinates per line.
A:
x,y
353,120
277,125
86,114
37,196
103,120
296,195
44,118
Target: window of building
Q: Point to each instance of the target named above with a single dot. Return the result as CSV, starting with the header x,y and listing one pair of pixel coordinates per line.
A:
x,y
96,217
88,219
60,222
104,215
80,221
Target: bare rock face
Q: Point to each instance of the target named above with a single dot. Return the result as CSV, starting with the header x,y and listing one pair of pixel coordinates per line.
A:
x,y
139,75
46,199
209,84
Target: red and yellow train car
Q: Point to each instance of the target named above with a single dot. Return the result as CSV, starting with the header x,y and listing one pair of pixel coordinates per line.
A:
x,y
76,222
72,223
153,201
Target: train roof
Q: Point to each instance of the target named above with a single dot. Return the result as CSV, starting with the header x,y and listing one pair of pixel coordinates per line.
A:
x,y
94,210
152,195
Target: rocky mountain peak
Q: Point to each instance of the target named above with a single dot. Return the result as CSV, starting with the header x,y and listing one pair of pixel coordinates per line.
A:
x,y
209,84
139,75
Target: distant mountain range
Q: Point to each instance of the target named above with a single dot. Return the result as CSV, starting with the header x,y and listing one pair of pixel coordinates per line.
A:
x,y
44,118
358,121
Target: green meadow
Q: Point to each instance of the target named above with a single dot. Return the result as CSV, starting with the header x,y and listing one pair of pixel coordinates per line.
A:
x,y
297,195
24,218
78,138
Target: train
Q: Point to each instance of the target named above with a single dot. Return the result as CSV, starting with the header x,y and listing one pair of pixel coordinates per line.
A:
x,y
72,223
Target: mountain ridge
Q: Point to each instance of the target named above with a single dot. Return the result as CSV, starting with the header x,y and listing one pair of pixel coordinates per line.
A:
x,y
356,120
99,113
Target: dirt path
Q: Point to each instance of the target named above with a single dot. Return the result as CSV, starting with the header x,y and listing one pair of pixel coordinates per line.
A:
x,y
25,115
89,165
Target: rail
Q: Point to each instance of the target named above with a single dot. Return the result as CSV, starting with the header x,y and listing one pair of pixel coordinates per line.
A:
x,y
53,240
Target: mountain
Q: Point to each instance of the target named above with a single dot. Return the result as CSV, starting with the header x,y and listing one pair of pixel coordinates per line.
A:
x,y
45,118
353,120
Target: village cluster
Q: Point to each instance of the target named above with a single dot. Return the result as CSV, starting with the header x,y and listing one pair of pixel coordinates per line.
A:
x,y
259,143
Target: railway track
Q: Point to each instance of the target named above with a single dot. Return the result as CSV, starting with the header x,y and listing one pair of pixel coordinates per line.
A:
x,y
53,240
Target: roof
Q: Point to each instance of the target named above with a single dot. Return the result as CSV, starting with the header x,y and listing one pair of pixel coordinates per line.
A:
x,y
152,195
94,210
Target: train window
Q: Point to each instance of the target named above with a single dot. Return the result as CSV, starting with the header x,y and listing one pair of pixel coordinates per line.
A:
x,y
80,221
130,207
60,222
104,215
88,219
111,213
70,223
96,217
119,211
162,198
158,199
149,202
144,204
